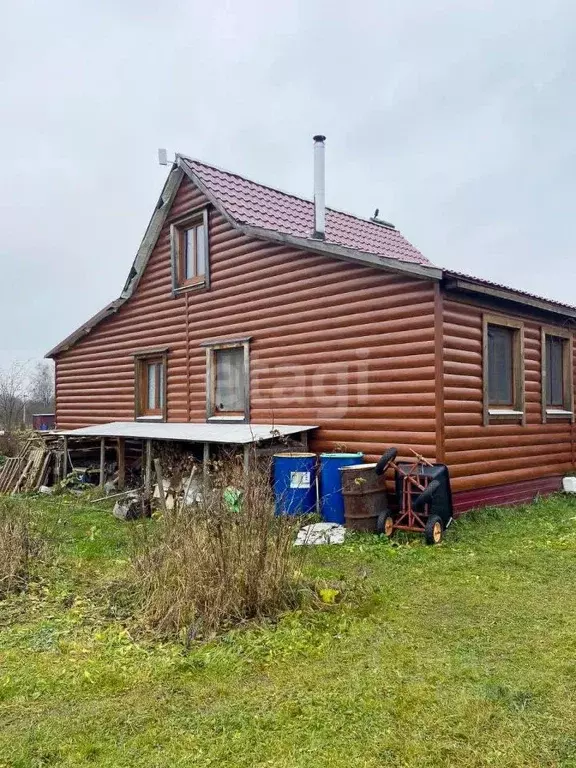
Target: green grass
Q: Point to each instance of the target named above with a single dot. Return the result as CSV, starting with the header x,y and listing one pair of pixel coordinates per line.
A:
x,y
459,655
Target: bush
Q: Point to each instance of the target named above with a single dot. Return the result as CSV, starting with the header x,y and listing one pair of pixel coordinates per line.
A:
x,y
9,444
17,546
224,560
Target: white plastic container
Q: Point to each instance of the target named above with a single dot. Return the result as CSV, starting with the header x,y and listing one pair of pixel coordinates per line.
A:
x,y
569,484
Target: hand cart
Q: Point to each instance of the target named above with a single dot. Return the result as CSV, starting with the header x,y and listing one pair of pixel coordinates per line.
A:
x,y
423,497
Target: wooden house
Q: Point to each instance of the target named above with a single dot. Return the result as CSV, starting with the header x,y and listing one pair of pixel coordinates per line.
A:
x,y
247,305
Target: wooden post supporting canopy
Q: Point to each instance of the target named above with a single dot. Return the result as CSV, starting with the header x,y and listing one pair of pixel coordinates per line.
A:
x,y
205,463
121,464
148,468
65,458
102,460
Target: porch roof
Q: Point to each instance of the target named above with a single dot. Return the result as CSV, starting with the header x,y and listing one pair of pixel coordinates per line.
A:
x,y
208,432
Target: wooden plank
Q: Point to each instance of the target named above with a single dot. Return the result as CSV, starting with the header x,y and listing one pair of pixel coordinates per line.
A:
x,y
40,478
160,481
22,479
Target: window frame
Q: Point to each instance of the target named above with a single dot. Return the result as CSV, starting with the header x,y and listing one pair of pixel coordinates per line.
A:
x,y
141,362
493,413
552,413
212,347
178,230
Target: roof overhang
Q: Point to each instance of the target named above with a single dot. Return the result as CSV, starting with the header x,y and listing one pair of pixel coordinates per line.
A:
x,y
179,170
149,240
207,432
481,288
84,329
310,244
343,253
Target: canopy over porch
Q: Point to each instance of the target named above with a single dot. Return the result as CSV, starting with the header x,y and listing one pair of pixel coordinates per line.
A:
x,y
206,433
223,432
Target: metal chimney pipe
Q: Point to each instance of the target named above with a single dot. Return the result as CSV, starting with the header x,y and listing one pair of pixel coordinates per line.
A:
x,y
319,189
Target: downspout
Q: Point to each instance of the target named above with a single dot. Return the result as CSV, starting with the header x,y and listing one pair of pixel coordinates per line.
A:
x,y
188,414
439,414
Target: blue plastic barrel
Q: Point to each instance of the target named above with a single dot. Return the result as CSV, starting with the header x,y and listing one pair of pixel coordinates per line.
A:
x,y
331,498
295,483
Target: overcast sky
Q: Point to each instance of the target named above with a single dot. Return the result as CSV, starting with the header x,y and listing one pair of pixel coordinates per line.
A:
x,y
457,119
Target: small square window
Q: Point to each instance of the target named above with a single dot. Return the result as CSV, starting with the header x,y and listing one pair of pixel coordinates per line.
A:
x,y
229,384
227,380
190,263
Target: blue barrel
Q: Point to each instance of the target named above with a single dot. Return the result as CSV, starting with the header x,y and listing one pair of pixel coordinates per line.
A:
x,y
331,498
295,483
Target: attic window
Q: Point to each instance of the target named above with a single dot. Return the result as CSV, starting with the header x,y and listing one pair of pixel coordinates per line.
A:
x,y
189,237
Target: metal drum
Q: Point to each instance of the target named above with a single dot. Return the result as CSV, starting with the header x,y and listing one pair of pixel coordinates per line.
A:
x,y
295,483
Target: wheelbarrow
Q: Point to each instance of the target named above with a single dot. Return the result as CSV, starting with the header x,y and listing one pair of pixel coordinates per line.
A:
x,y
423,496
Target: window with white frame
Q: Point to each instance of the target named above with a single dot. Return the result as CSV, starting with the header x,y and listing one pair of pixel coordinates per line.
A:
x,y
190,252
150,385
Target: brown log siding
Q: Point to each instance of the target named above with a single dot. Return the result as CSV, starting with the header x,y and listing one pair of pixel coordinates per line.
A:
x,y
345,346
500,453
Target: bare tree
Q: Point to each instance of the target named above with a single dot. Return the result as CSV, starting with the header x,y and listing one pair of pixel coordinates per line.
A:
x,y
13,390
41,391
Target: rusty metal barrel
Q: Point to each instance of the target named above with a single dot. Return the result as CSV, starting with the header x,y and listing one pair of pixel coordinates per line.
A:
x,y
364,496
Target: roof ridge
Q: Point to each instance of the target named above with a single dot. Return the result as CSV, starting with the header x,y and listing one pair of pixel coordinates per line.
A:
x,y
284,192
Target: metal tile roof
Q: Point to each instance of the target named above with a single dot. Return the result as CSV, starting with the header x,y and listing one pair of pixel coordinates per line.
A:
x,y
257,205
452,274
210,432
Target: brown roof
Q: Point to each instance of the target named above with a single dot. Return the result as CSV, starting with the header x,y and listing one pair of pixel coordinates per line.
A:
x,y
257,205
272,214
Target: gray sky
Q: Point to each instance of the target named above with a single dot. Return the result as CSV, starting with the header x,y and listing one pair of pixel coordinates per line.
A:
x,y
457,119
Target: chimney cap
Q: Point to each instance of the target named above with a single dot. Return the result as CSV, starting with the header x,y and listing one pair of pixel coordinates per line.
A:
x,y
319,137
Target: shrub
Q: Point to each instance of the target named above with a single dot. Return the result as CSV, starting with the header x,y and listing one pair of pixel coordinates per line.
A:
x,y
17,546
9,444
221,561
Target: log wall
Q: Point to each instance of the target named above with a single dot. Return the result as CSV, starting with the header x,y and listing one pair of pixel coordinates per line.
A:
x,y
498,454
348,347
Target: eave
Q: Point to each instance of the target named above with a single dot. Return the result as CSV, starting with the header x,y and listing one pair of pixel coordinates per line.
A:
x,y
158,219
469,286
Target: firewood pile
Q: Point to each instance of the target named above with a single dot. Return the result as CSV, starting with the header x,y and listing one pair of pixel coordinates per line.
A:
x,y
37,461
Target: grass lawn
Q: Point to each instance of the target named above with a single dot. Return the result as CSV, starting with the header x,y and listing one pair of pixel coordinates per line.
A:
x,y
458,655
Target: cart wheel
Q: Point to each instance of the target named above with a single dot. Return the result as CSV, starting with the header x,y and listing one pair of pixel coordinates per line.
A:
x,y
385,524
434,530
426,496
385,459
